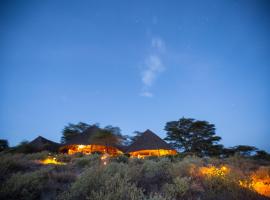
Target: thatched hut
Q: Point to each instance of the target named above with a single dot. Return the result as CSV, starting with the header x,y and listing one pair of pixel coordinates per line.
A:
x,y
149,144
85,143
42,144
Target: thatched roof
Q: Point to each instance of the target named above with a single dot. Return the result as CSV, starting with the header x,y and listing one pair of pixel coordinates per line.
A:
x,y
41,144
148,141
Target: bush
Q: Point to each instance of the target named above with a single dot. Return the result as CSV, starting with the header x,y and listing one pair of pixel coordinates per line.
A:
x,y
120,159
177,189
12,163
24,186
37,156
151,175
45,183
186,167
85,161
98,182
223,189
63,157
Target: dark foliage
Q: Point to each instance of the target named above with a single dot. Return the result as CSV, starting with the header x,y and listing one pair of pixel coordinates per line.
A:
x,y
193,136
72,130
3,145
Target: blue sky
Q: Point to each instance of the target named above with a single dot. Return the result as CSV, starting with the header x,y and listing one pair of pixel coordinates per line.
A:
x,y
136,65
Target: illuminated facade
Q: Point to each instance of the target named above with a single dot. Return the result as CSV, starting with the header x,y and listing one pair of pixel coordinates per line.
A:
x,y
149,144
92,148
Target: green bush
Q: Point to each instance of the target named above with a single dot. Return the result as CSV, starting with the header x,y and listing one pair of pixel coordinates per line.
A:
x,y
104,182
63,157
186,167
177,189
120,159
151,175
156,196
12,163
24,186
38,156
45,183
218,188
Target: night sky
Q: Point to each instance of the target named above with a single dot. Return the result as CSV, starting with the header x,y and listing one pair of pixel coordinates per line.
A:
x,y
136,65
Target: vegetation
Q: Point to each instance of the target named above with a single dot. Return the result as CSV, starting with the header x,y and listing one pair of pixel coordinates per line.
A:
x,y
106,137
203,169
123,178
72,130
195,137
3,145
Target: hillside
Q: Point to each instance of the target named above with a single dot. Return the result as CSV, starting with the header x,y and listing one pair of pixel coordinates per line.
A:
x,y
96,177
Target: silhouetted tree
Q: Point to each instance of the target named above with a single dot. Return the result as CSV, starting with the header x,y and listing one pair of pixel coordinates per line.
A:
x,y
262,155
244,150
23,147
72,130
134,138
193,136
117,132
107,138
3,145
227,152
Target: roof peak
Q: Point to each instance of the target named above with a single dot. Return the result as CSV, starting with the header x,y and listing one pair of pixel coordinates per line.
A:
x,y
149,140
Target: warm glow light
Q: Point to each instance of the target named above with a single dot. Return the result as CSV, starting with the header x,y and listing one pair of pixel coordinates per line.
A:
x,y
214,171
259,183
157,152
51,160
88,149
105,158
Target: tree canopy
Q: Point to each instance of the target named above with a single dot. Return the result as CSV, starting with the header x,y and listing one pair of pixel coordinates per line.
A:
x,y
72,130
193,136
3,145
108,136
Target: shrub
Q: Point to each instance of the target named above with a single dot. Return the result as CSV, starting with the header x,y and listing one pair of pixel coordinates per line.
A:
x,y
177,189
151,175
98,182
186,167
218,188
120,159
63,157
155,196
12,163
82,162
37,156
24,186
45,183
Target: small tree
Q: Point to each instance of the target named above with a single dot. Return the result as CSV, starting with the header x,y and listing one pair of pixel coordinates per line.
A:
x,y
3,145
193,136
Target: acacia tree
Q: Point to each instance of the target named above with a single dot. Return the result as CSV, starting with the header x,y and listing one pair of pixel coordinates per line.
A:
x,y
107,138
72,130
244,150
193,136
